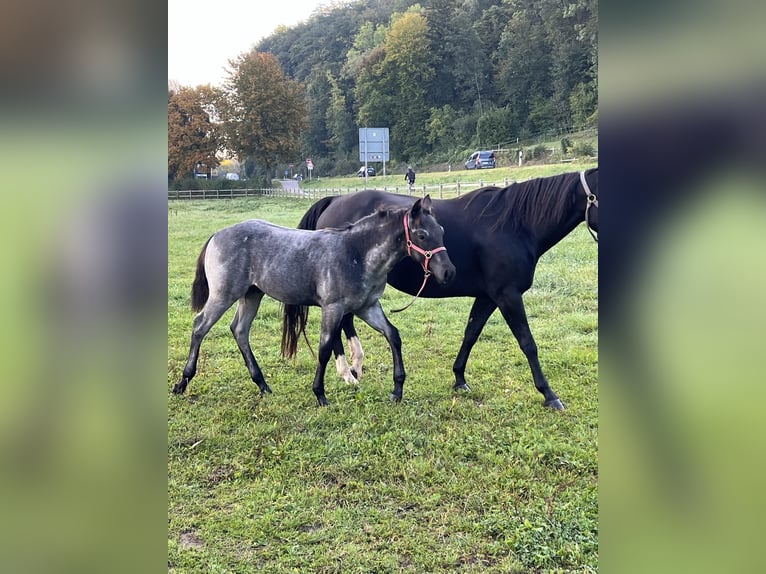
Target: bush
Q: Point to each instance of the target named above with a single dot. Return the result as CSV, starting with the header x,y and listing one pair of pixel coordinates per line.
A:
x,y
538,152
584,149
566,145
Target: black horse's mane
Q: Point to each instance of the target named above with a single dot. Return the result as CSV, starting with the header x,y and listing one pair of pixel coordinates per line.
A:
x,y
382,212
534,202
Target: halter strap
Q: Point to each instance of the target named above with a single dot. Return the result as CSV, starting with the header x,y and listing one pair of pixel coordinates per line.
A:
x,y
592,200
427,253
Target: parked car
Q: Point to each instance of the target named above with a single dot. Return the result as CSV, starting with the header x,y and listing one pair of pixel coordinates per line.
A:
x,y
370,171
481,160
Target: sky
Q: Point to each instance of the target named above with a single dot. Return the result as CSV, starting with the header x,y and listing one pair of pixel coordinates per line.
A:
x,y
204,36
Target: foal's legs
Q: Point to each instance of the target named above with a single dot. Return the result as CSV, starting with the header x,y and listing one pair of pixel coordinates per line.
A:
x,y
512,308
203,322
376,319
247,309
331,318
482,308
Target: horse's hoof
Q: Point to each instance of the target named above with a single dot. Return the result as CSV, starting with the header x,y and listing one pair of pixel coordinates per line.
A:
x,y
356,375
180,387
461,387
554,404
323,402
395,398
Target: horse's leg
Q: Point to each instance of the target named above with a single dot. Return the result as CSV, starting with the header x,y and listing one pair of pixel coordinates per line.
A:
x,y
341,364
203,322
512,308
247,309
357,353
481,310
355,346
331,318
376,319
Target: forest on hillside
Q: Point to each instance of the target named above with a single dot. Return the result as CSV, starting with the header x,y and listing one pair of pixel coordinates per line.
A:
x,y
445,76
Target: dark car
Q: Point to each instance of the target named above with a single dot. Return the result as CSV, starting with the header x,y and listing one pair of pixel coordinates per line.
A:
x,y
481,160
370,171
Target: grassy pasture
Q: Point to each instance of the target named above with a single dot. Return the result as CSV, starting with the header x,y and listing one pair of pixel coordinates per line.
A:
x,y
487,481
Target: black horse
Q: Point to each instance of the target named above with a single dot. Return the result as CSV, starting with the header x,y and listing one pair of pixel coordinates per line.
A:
x,y
342,271
494,236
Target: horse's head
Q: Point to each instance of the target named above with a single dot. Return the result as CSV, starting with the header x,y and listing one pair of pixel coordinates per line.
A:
x,y
425,241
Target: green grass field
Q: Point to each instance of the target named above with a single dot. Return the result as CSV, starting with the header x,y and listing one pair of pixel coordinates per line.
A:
x,y
487,481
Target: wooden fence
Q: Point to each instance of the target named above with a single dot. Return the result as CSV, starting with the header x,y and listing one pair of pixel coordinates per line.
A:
x,y
441,191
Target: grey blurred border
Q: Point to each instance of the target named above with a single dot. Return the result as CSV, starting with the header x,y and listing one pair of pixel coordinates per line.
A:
x,y
682,273
82,421
82,431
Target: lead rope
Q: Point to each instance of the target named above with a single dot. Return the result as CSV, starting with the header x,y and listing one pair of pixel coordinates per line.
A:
x,y
592,200
425,253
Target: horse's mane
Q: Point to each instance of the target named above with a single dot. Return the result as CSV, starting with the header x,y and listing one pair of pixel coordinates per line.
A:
x,y
373,219
533,202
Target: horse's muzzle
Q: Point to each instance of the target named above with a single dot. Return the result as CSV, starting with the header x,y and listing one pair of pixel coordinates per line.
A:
x,y
442,268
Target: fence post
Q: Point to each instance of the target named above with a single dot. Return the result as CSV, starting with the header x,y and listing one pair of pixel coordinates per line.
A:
x,y
458,188
441,191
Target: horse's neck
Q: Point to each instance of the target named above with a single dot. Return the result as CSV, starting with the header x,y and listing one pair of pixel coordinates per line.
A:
x,y
383,246
554,231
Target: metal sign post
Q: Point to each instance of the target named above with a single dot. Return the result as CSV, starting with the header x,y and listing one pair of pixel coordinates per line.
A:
x,y
373,146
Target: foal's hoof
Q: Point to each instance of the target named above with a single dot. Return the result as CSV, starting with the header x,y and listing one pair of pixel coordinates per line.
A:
x,y
323,402
554,404
180,386
461,387
395,398
355,374
265,389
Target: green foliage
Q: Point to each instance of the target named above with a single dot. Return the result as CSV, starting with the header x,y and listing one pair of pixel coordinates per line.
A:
x,y
583,101
496,126
583,149
393,63
487,481
538,152
566,145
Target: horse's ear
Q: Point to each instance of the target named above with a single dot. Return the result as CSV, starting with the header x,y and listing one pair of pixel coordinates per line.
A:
x,y
415,209
423,205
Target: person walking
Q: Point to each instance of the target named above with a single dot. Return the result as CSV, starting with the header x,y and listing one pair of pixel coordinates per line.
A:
x,y
410,177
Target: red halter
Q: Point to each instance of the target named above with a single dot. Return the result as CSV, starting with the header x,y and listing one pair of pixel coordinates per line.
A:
x,y
424,252
427,253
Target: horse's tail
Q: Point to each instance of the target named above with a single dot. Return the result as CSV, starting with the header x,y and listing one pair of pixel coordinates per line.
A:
x,y
200,289
310,218
294,319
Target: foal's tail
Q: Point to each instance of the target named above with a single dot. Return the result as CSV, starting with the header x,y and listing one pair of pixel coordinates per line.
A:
x,y
310,218
200,289
294,319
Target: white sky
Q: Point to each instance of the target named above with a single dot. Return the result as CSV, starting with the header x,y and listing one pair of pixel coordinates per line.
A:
x,y
203,35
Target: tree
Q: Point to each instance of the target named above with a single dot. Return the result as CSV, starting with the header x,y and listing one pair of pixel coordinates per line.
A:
x,y
263,112
391,87
192,136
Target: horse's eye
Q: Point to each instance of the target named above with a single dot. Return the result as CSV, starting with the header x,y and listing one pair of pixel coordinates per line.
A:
x,y
421,235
